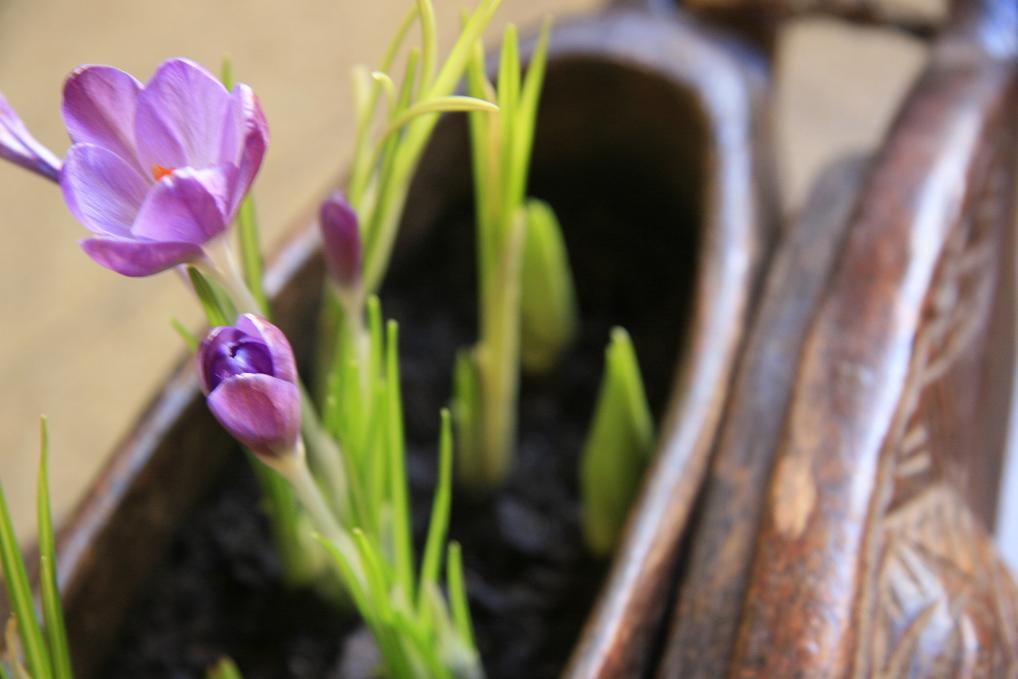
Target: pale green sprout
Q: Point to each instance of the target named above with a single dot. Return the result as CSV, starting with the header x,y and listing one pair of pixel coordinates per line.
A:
x,y
224,669
389,144
486,378
619,446
548,299
34,650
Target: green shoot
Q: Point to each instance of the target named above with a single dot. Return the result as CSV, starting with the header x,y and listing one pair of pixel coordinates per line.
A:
x,y
417,632
219,309
224,669
383,167
41,656
388,146
247,230
618,448
53,612
487,378
548,300
190,341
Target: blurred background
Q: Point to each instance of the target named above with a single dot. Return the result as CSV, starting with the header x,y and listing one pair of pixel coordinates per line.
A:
x,y
89,348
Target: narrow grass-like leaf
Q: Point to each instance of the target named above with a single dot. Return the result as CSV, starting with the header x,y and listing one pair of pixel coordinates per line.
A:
x,y
440,508
348,571
251,254
508,101
224,669
450,104
458,595
528,103
280,504
374,573
53,611
19,592
216,312
189,339
474,27
429,41
402,537
4,674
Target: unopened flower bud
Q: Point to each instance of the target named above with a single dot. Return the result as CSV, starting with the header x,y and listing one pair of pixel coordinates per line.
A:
x,y
341,241
249,374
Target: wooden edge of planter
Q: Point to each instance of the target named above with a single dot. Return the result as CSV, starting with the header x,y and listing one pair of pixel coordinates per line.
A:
x,y
886,416
704,621
738,221
759,19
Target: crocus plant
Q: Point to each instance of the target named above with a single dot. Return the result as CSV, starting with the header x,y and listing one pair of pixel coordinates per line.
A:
x,y
159,172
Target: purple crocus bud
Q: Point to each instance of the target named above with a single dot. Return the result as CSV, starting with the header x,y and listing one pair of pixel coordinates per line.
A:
x,y
157,171
341,240
18,146
250,377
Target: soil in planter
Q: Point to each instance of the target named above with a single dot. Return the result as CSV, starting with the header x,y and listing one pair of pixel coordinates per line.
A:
x,y
531,581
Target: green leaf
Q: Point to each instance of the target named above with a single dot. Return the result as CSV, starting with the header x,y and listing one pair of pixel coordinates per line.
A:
x,y
440,509
226,72
4,674
458,595
224,669
219,310
429,41
53,611
619,446
449,104
547,296
189,339
280,504
402,534
529,100
19,592
251,254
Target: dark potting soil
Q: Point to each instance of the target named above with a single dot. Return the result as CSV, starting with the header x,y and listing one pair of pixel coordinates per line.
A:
x,y
531,581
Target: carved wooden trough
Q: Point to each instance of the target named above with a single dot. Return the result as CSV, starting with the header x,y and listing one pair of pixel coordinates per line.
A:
x,y
829,458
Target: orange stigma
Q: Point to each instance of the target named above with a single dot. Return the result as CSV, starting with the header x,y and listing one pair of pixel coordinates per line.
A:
x,y
158,172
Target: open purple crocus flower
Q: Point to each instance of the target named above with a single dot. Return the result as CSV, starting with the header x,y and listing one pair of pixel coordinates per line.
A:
x,y
249,374
155,172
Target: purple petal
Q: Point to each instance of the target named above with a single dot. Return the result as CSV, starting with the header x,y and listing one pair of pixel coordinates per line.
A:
x,y
99,105
18,146
179,122
183,208
341,240
284,366
261,412
245,139
137,258
227,352
206,356
102,190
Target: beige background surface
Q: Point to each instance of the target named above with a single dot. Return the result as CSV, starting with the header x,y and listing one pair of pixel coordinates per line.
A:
x,y
88,347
